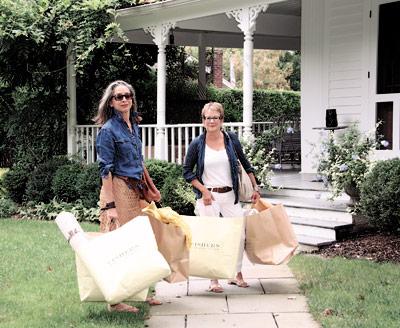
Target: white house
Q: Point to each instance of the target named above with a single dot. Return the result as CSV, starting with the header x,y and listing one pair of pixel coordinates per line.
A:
x,y
350,55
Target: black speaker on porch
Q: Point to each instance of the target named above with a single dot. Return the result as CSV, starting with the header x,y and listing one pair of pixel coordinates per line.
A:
x,y
331,118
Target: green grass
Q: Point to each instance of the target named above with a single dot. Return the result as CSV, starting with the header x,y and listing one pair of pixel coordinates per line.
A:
x,y
38,286
360,293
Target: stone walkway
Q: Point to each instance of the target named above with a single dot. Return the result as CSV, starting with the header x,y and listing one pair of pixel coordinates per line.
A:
x,y
273,300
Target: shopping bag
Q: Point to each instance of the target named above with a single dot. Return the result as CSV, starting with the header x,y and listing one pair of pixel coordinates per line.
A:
x,y
88,289
173,238
270,238
215,246
122,262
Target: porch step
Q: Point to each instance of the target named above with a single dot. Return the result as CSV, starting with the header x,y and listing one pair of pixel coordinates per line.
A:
x,y
316,222
314,242
316,193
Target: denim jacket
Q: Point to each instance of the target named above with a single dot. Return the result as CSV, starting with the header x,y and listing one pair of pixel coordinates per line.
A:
x,y
195,157
119,150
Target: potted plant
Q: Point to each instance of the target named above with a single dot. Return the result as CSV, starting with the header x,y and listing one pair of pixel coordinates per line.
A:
x,y
344,161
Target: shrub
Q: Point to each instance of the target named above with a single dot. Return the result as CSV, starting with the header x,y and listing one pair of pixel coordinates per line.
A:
x,y
160,170
268,105
178,195
380,195
15,180
49,211
89,185
7,208
38,188
65,182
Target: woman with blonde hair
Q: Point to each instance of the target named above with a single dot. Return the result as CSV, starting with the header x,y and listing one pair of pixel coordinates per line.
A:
x,y
215,181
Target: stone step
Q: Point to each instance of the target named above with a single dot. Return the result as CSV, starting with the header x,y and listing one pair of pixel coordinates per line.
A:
x,y
318,214
320,228
301,202
324,194
314,242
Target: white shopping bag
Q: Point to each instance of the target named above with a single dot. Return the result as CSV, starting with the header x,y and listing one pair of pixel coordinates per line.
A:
x,y
122,262
88,289
215,246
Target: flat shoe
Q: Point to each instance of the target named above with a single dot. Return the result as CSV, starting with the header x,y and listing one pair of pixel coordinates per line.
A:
x,y
153,301
216,289
239,283
122,307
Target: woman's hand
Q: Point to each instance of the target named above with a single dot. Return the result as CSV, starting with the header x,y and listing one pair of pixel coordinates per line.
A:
x,y
112,213
255,197
207,197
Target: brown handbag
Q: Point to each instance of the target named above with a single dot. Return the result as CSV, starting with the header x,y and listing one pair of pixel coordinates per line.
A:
x,y
149,191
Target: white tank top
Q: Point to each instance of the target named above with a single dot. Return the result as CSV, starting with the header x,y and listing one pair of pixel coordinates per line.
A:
x,y
217,170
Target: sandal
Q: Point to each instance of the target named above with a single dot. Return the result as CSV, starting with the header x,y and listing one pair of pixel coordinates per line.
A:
x,y
153,301
122,307
216,288
239,283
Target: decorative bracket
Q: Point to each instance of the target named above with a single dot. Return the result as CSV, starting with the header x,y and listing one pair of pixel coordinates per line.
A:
x,y
160,32
246,17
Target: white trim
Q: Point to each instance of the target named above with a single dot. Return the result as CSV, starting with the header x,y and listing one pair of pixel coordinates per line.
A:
x,y
178,10
374,97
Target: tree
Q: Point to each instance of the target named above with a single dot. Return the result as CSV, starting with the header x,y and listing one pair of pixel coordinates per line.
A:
x,y
290,61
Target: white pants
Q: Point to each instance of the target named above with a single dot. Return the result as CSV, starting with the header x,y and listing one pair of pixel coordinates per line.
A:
x,y
224,204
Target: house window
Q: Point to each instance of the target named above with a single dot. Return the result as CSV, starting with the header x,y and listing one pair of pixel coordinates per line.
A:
x,y
389,48
384,114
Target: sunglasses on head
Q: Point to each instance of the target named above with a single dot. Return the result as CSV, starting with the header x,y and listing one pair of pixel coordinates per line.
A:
x,y
121,96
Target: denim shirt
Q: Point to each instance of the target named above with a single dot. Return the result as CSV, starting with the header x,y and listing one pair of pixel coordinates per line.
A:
x,y
195,157
119,150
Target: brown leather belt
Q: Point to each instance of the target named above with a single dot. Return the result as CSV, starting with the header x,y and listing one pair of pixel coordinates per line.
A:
x,y
220,189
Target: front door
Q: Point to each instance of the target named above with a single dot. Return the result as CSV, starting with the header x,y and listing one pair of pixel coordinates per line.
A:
x,y
384,82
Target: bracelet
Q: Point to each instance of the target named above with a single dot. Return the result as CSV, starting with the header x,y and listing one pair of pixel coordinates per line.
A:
x,y
256,189
108,206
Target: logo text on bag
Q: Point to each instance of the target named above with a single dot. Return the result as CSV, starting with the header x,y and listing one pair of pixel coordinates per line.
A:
x,y
122,255
204,245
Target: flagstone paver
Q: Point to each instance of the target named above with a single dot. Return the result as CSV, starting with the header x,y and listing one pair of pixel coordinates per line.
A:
x,y
254,320
280,286
291,320
273,300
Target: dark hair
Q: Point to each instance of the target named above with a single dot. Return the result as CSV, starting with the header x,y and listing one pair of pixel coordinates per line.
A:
x,y
105,111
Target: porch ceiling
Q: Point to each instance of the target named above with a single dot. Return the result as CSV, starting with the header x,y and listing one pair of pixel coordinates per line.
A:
x,y
205,20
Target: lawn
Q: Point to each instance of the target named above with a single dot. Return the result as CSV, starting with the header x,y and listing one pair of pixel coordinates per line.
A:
x,y
350,293
38,286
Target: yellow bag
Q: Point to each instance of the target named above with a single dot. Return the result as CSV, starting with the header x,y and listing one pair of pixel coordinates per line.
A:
x,y
270,238
125,261
215,246
88,290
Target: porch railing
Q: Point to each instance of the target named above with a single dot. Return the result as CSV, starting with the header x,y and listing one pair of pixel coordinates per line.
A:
x,y
177,139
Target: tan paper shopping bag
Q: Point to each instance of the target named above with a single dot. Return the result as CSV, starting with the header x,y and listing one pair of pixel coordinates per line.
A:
x,y
270,238
88,289
215,246
125,261
173,239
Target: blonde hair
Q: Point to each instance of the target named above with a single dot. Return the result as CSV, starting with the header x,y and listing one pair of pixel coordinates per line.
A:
x,y
215,106
105,111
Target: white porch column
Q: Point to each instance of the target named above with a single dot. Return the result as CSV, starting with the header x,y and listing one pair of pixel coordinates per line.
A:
x,y
71,102
202,68
160,38
246,17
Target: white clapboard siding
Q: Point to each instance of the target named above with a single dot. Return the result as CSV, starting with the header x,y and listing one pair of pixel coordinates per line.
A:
x,y
344,31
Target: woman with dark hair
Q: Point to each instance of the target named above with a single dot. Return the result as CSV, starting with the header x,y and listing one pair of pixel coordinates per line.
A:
x,y
211,166
120,160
